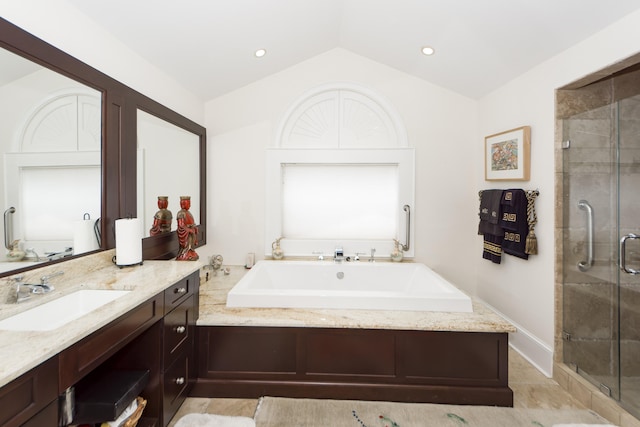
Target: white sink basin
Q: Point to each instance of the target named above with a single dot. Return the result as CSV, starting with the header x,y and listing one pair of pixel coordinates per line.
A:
x,y
61,311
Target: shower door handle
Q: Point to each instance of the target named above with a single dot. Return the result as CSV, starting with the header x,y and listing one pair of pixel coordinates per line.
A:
x,y
586,265
623,250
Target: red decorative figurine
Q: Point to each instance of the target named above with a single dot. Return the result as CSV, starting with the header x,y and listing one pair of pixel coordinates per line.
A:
x,y
187,232
162,218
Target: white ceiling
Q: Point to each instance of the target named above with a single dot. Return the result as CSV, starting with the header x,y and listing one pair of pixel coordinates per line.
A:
x,y
208,45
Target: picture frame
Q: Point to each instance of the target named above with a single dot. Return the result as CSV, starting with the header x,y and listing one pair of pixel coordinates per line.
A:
x,y
507,155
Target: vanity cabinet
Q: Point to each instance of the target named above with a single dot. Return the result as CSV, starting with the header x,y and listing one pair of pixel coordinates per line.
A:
x,y
31,399
155,336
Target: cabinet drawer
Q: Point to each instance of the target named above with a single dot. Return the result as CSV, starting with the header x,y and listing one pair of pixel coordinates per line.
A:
x,y
176,293
25,396
176,386
86,355
179,330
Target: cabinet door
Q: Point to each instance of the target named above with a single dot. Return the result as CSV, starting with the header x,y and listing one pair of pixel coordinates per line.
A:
x,y
47,417
176,386
25,396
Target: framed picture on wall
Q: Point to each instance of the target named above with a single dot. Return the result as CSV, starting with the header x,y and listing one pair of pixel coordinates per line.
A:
x,y
507,155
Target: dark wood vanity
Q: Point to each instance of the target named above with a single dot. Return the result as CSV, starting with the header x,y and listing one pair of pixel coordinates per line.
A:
x,y
157,335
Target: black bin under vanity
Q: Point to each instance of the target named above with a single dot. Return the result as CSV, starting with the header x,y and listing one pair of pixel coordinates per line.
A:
x,y
104,397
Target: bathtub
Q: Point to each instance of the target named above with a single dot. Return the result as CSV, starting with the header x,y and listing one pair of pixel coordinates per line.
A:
x,y
354,285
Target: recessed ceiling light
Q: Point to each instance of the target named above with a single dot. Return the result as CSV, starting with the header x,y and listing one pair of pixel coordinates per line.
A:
x,y
260,53
428,50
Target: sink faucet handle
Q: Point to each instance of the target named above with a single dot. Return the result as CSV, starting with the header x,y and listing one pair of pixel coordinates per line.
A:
x,y
320,255
45,279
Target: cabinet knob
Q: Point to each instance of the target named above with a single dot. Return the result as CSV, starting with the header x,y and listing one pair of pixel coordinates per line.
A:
x,y
180,290
180,329
180,380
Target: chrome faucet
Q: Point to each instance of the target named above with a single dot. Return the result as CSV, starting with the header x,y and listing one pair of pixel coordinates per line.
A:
x,y
23,291
57,255
338,255
44,283
373,251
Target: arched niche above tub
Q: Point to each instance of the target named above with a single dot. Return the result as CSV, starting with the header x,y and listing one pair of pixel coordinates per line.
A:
x,y
341,174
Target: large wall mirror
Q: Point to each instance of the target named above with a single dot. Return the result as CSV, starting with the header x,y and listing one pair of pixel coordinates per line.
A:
x,y
165,157
69,145
50,144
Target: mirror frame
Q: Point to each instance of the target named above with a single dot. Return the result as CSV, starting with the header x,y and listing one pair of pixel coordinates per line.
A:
x,y
119,140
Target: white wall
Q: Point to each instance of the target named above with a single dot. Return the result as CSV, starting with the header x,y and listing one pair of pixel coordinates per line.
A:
x,y
63,26
524,290
440,124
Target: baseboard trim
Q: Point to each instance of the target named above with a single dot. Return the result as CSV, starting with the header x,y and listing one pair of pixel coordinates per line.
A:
x,y
529,346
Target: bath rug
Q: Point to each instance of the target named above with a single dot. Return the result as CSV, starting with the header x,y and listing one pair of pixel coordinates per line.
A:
x,y
583,425
285,412
212,420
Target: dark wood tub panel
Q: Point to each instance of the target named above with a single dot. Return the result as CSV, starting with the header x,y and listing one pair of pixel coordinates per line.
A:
x,y
365,364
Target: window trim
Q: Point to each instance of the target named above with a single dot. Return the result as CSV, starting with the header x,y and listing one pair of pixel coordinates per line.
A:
x,y
404,158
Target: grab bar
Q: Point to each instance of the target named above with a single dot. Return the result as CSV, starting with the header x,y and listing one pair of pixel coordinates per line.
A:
x,y
407,209
623,250
586,265
8,227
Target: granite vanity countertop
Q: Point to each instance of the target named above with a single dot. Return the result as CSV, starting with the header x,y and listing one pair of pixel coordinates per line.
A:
x,y
21,351
214,312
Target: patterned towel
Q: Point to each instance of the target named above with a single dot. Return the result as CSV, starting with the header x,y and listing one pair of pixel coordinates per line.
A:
x,y
489,225
513,220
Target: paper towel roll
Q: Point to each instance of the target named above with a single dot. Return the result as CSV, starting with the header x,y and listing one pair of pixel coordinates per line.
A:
x,y
128,242
84,236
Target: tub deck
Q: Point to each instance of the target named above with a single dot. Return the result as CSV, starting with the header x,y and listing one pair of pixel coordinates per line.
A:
x,y
454,358
214,312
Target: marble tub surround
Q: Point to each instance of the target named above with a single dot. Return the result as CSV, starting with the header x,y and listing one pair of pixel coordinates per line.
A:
x,y
214,312
20,351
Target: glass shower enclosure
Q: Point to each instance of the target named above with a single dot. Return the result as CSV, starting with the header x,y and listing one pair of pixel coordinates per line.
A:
x,y
600,126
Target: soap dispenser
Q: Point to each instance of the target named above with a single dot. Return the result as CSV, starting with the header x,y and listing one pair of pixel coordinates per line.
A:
x,y
276,251
397,253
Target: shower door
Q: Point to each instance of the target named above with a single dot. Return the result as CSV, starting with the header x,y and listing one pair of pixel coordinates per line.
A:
x,y
601,205
629,233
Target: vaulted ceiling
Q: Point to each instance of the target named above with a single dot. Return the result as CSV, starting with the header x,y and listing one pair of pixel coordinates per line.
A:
x,y
208,45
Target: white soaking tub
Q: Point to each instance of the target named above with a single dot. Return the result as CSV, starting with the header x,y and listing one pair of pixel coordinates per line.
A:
x,y
347,285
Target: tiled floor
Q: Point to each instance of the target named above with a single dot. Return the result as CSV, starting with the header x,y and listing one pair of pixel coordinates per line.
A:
x,y
531,389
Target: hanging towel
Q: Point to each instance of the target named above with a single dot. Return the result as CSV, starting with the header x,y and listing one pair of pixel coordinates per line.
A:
x,y
489,227
514,222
